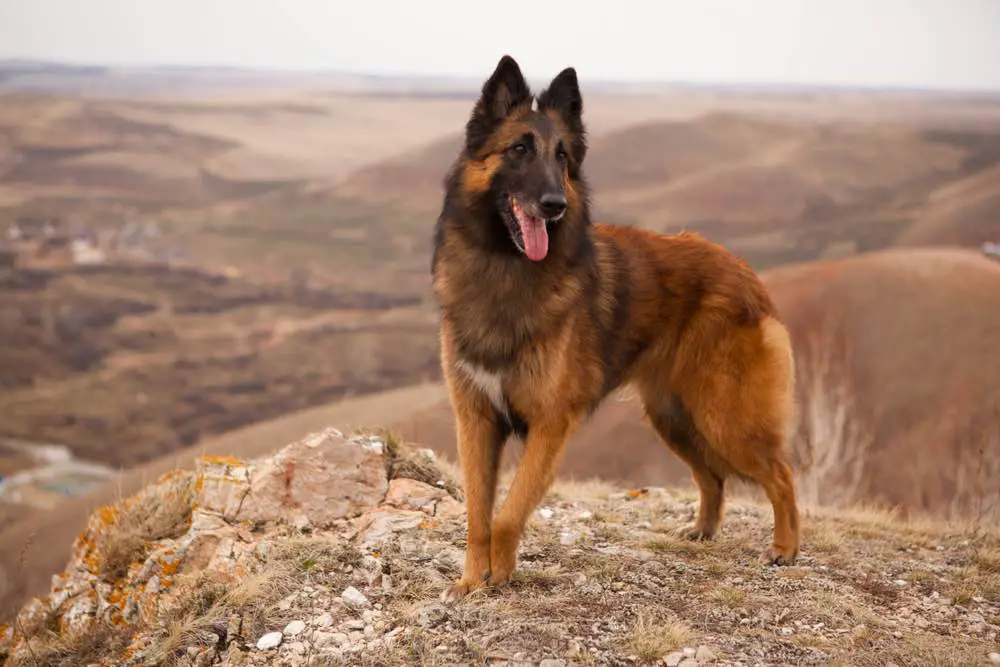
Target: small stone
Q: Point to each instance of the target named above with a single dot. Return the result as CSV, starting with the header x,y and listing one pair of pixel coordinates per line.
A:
x,y
704,654
432,616
688,662
899,582
995,657
323,620
296,647
545,513
785,631
552,662
355,598
340,638
293,628
583,516
674,659
355,624
568,537
269,641
689,652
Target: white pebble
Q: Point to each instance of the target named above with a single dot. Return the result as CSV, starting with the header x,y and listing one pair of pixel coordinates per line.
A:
x,y
545,513
355,598
270,640
293,628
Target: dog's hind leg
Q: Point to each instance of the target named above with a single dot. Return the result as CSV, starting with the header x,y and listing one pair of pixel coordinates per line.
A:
x,y
675,428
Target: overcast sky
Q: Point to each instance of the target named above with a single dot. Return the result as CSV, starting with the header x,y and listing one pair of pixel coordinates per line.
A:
x,y
927,43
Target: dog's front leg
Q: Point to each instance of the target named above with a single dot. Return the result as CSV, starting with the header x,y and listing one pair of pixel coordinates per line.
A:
x,y
535,474
480,442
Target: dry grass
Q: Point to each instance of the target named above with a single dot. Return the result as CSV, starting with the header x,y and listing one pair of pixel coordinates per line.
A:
x,y
670,544
49,649
402,461
727,596
209,604
653,640
139,521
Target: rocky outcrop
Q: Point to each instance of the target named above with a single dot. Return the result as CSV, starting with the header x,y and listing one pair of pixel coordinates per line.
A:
x,y
335,549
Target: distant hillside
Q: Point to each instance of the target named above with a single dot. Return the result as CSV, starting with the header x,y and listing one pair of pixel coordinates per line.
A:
x,y
775,189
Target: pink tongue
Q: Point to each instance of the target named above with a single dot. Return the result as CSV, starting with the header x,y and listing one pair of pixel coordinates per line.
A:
x,y
536,238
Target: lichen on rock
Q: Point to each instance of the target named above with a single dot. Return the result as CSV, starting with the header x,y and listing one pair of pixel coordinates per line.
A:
x,y
163,567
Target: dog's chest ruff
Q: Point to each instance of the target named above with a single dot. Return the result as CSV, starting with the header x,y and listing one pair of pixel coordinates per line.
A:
x,y
488,382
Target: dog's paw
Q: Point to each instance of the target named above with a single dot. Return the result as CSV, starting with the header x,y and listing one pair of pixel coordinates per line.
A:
x,y
696,534
459,590
780,557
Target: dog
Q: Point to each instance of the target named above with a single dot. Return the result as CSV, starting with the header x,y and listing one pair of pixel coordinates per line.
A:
x,y
544,312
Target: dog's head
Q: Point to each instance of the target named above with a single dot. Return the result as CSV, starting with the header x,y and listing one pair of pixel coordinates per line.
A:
x,y
524,162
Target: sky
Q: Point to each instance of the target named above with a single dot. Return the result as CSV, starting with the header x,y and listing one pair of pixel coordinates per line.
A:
x,y
912,43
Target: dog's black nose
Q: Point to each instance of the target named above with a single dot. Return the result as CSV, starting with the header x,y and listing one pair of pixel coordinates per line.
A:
x,y
552,204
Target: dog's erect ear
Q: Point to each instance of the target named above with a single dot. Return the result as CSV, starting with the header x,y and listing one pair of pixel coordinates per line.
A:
x,y
504,91
563,96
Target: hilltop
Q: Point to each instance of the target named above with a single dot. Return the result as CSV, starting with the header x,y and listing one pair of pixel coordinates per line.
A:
x,y
254,562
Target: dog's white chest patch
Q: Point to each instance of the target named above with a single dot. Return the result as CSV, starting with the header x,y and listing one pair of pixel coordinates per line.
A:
x,y
485,381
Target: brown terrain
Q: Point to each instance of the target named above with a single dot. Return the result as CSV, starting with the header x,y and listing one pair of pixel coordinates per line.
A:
x,y
181,265
214,566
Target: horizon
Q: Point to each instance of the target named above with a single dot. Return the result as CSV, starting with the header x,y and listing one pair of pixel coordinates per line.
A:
x,y
938,46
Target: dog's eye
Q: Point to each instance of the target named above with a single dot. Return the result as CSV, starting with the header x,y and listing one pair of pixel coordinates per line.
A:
x,y
519,149
561,153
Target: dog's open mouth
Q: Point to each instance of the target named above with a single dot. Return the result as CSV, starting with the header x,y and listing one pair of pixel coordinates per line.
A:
x,y
534,236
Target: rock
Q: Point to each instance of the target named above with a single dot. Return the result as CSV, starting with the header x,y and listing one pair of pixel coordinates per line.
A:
x,y
379,527
994,657
688,662
293,628
552,662
545,513
704,654
323,620
354,598
296,481
568,537
674,659
432,616
269,641
409,494
689,652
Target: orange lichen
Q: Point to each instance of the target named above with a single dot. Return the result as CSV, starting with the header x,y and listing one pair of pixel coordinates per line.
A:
x,y
170,569
222,460
108,514
428,523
